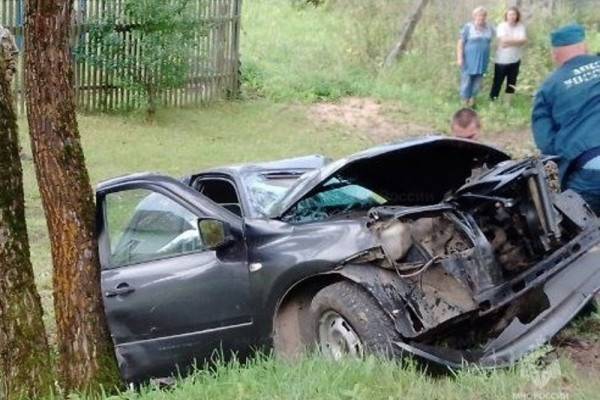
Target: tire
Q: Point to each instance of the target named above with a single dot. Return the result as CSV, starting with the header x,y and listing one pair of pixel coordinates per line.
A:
x,y
361,318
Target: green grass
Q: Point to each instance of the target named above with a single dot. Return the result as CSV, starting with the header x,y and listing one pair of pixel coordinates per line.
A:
x,y
317,378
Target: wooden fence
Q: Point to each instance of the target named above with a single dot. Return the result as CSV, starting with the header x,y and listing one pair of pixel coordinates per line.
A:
x,y
214,67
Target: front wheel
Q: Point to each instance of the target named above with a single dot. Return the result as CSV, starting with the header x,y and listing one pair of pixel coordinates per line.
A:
x,y
347,322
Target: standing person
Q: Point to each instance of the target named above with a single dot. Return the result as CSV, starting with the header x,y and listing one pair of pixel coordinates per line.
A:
x,y
566,114
473,54
512,37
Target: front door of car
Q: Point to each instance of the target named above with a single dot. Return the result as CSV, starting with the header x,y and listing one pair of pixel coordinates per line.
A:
x,y
170,299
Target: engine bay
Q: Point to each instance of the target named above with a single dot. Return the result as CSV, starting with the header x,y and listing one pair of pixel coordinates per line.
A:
x,y
471,254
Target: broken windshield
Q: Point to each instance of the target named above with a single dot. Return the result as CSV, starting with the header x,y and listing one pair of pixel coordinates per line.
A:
x,y
336,196
267,188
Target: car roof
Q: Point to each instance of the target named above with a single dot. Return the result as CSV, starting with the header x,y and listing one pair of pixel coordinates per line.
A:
x,y
310,162
304,163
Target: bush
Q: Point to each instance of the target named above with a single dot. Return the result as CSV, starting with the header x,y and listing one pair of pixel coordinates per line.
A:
x,y
165,32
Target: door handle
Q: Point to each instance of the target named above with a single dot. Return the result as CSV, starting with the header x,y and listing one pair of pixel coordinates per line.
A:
x,y
122,289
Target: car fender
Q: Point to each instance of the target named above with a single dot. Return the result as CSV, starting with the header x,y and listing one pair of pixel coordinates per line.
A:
x,y
383,285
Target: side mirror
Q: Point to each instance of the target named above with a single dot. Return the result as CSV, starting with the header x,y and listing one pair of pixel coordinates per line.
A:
x,y
214,233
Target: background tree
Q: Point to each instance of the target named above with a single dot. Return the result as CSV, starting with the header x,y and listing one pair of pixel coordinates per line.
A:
x,y
406,33
24,356
86,357
165,33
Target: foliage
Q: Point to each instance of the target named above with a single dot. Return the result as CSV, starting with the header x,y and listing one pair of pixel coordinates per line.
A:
x,y
303,3
166,32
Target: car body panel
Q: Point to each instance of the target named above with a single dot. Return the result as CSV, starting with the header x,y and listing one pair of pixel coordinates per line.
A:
x,y
568,292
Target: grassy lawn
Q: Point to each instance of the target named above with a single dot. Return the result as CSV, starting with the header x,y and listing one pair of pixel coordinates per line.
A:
x,y
317,378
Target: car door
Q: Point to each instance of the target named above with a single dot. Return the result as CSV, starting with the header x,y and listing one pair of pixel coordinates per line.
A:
x,y
170,300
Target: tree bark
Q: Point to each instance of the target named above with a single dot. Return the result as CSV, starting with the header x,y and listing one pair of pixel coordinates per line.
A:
x,y
86,357
25,369
408,28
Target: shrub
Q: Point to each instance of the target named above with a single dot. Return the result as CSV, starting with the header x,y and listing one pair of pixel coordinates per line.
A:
x,y
165,32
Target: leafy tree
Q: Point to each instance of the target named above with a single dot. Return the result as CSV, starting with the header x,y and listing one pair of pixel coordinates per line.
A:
x,y
166,33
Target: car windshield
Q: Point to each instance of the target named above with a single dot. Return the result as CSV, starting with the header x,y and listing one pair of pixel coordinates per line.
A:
x,y
336,196
267,188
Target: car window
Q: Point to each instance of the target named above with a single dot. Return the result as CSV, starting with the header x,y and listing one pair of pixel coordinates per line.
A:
x,y
221,192
336,196
144,225
265,189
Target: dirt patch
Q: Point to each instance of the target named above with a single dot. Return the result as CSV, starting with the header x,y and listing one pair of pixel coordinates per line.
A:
x,y
585,354
383,122
367,117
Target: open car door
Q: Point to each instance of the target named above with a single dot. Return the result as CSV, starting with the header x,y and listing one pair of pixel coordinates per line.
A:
x,y
174,276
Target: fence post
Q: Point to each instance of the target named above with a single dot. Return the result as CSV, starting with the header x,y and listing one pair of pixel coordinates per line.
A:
x,y
235,44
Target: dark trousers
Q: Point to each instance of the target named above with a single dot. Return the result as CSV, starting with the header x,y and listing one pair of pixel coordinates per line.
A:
x,y
510,72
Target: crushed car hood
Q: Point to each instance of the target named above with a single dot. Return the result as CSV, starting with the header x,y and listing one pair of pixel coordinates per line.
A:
x,y
430,166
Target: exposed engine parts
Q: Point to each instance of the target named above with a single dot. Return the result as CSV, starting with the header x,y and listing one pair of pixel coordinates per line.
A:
x,y
449,257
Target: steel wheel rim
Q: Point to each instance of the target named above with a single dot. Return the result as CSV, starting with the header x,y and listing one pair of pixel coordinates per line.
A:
x,y
337,338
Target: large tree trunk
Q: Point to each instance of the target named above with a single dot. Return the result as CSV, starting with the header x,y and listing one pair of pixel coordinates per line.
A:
x,y
406,33
25,369
86,357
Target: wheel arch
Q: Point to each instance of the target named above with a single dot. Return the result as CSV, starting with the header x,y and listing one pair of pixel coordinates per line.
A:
x,y
289,321
290,310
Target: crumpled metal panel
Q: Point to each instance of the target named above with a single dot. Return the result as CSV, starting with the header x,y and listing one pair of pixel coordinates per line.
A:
x,y
568,292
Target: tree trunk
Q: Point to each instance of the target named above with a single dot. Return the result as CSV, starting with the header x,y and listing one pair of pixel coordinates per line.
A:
x,y
86,357
406,33
152,98
25,369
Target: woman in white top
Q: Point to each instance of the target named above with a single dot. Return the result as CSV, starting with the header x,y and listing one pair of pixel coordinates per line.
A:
x,y
512,37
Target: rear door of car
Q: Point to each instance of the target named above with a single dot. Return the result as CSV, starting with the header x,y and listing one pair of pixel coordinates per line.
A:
x,y
170,300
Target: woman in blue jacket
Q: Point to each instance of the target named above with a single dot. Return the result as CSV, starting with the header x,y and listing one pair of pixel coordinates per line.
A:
x,y
473,54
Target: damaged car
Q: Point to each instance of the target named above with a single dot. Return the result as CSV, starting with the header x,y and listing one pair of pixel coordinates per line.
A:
x,y
442,249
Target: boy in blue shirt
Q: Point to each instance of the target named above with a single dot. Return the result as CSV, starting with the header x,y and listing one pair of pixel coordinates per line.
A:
x,y
566,114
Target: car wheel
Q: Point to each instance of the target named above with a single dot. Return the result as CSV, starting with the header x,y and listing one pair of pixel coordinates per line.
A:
x,y
347,322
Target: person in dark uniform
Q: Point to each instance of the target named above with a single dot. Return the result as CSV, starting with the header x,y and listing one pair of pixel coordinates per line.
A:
x,y
566,114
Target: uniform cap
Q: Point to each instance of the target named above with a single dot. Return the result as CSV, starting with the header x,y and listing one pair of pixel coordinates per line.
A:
x,y
568,35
